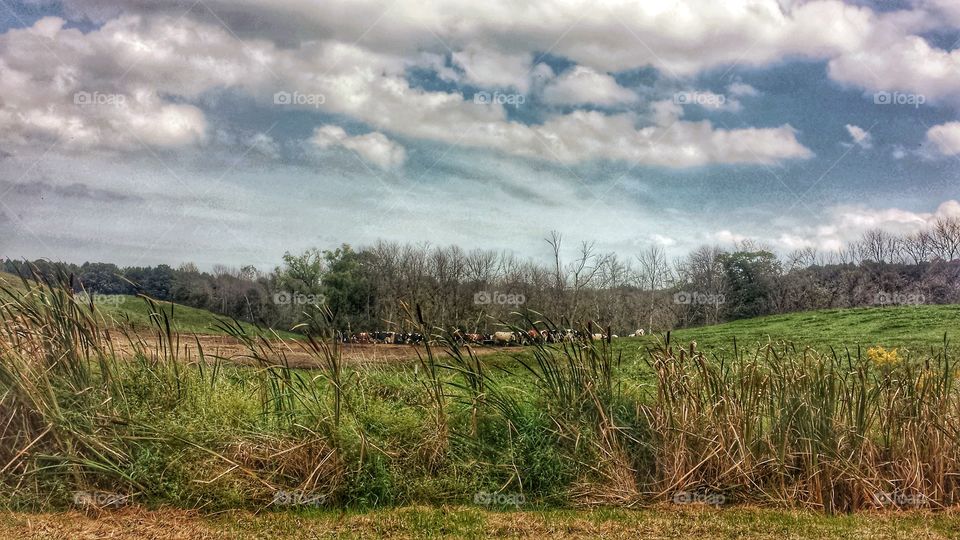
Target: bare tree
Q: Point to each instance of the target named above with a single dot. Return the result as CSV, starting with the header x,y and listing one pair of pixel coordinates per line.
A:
x,y
803,258
702,272
917,247
584,271
555,241
879,245
850,254
654,275
945,238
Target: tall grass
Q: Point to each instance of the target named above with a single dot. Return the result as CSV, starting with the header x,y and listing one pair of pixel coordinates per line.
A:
x,y
92,406
833,431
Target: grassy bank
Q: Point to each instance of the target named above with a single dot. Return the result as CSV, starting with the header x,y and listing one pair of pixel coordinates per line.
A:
x,y
466,522
918,327
561,426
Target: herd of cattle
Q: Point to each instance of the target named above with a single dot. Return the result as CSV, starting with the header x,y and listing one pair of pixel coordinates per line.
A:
x,y
505,338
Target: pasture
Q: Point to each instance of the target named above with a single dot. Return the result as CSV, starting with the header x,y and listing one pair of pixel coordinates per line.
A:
x,y
648,434
134,313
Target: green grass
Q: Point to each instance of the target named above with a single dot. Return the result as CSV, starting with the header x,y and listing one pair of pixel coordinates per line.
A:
x,y
915,327
467,522
136,312
186,319
899,326
664,522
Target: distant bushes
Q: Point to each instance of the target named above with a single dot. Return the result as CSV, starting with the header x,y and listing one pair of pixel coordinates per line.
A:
x,y
370,289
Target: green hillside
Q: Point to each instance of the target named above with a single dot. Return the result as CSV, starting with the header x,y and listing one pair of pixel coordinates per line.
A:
x,y
899,326
136,311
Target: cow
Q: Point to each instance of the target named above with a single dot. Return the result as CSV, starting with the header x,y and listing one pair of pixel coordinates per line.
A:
x,y
504,338
474,338
639,333
390,337
536,336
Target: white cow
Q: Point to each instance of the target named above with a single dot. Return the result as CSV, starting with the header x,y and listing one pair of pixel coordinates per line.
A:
x,y
504,338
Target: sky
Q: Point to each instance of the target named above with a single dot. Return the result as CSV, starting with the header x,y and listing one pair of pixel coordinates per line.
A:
x,y
231,131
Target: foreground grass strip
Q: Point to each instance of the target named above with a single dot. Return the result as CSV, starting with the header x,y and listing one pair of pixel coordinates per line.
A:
x,y
465,522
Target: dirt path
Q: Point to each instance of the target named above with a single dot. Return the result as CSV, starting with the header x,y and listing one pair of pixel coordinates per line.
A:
x,y
296,353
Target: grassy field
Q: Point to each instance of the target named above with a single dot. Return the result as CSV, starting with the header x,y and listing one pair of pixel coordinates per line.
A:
x,y
911,326
136,313
640,433
918,328
467,522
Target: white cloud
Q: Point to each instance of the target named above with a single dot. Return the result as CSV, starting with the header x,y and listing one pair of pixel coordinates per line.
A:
x,y
843,224
156,60
489,68
860,137
493,41
742,89
584,135
373,147
725,236
584,85
837,226
683,37
946,137
662,240
901,63
110,88
264,144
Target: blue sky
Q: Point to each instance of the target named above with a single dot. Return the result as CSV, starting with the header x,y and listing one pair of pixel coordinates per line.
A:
x,y
145,132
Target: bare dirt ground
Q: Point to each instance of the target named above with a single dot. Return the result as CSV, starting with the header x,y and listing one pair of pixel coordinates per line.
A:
x,y
297,354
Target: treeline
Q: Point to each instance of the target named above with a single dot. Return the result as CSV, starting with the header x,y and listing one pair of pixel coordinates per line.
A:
x,y
377,287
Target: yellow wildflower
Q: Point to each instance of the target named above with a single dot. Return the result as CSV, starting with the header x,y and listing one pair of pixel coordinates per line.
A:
x,y
883,357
